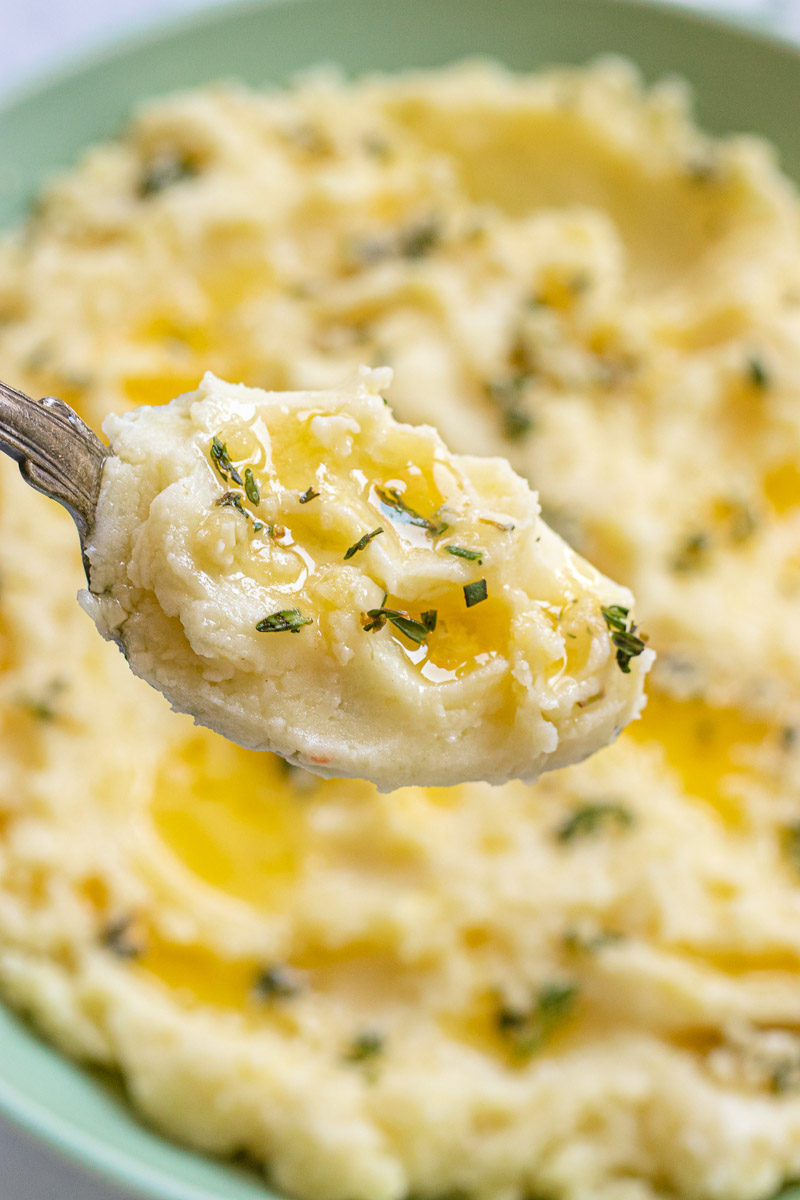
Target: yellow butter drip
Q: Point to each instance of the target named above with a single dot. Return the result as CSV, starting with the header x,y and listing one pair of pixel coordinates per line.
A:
x,y
232,817
707,747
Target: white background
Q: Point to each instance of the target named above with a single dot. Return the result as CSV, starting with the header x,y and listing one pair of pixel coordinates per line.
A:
x,y
34,33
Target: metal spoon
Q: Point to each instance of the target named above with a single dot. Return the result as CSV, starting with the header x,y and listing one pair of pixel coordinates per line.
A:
x,y
57,453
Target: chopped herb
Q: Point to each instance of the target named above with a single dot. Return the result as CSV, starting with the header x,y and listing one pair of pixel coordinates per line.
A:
x,y
277,983
365,1046
395,506
702,170
789,738
232,500
528,1030
117,937
628,644
784,1076
288,620
221,460
419,240
616,617
308,494
757,373
258,526
251,487
790,841
416,631
693,553
461,552
506,394
362,542
165,171
475,592
44,707
590,818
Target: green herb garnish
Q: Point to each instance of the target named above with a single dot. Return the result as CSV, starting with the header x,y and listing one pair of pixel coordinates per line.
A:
x,y
757,373
590,818
163,172
277,982
288,620
693,553
117,937
232,500
308,494
419,240
221,460
365,1046
629,645
528,1030
362,542
416,631
251,487
506,395
475,592
461,552
395,507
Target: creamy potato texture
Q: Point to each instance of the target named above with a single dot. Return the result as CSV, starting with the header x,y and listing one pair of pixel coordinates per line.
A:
x,y
588,987
469,642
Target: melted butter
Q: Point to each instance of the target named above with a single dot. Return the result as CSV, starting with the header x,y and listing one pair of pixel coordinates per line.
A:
x,y
198,974
157,389
464,638
706,746
782,487
232,817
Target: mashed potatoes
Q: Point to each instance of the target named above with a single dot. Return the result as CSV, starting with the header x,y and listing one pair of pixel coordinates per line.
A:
x,y
232,513
585,988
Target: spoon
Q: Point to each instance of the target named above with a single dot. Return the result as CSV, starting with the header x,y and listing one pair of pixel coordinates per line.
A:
x,y
57,453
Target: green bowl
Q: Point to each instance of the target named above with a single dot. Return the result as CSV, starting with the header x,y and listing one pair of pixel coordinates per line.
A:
x,y
743,82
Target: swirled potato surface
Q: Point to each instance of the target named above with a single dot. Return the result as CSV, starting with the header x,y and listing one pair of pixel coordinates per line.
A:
x,y
586,987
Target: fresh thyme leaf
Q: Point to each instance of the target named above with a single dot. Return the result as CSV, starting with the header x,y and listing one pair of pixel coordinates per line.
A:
x,y
790,843
616,617
308,494
258,526
416,631
395,506
693,553
528,1030
461,552
44,707
629,645
233,500
363,541
429,619
627,642
475,592
251,487
419,240
277,982
163,172
117,937
221,460
757,372
288,620
506,395
365,1046
590,818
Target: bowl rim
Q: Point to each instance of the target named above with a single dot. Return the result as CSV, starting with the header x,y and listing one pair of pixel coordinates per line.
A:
x,y
32,1118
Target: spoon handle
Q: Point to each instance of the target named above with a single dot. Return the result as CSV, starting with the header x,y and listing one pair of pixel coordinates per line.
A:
x,y
57,452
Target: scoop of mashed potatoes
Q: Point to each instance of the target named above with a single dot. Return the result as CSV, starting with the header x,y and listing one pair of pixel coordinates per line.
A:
x,y
587,987
445,632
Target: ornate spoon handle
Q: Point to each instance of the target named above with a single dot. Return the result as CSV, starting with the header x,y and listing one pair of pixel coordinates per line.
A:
x,y
57,452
